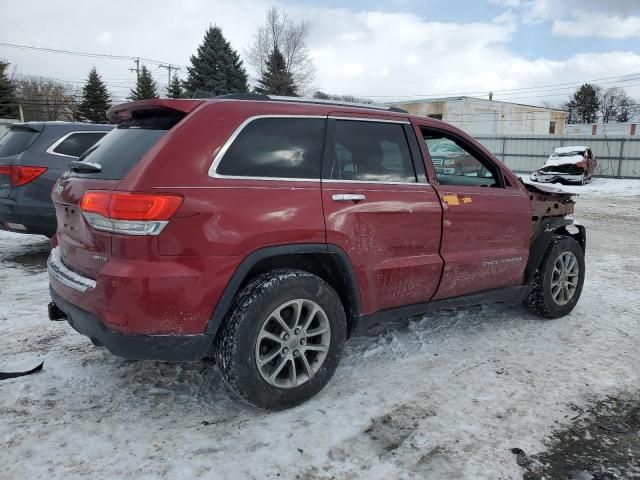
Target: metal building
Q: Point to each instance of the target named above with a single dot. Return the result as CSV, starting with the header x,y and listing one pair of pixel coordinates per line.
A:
x,y
479,116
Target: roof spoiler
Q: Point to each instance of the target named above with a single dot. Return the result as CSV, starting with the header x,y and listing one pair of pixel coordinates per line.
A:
x,y
36,127
123,111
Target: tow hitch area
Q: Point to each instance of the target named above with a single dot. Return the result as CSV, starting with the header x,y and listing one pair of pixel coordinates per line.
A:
x,y
55,314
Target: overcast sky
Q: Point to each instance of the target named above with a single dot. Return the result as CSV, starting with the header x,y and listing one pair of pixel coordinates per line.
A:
x,y
379,49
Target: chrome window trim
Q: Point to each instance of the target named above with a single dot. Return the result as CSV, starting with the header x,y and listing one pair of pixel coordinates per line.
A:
x,y
55,144
225,147
218,157
371,182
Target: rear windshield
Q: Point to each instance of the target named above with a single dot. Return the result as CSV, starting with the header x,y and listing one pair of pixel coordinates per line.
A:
x,y
16,141
123,147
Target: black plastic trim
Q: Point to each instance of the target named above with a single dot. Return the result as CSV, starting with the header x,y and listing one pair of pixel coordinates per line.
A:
x,y
506,295
168,348
547,228
416,154
240,275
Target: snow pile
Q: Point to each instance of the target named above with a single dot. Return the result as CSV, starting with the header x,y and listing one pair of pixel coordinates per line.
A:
x,y
612,187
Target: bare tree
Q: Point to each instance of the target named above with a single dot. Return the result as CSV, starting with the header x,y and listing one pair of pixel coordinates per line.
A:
x,y
627,109
616,105
283,33
45,99
341,98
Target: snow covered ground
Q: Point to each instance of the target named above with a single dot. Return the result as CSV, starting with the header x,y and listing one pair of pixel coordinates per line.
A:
x,y
599,186
445,396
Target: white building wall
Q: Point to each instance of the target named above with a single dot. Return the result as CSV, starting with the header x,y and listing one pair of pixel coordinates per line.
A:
x,y
484,117
608,129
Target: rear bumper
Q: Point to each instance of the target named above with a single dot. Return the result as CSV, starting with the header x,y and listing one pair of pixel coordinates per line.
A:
x,y
161,298
22,219
169,348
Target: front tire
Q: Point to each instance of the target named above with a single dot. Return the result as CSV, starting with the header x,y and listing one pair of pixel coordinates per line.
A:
x,y
557,283
282,340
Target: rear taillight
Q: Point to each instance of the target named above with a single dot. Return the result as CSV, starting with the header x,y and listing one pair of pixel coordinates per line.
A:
x,y
129,213
20,175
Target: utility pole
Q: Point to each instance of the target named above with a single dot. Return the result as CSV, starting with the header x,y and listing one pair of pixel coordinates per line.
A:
x,y
137,69
169,67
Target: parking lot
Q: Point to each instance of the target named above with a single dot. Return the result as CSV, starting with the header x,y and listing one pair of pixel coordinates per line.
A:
x,y
447,395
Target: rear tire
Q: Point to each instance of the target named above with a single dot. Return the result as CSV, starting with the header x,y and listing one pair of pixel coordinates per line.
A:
x,y
557,283
272,364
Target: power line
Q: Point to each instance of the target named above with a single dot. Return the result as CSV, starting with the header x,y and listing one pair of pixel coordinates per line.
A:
x,y
84,54
521,90
502,92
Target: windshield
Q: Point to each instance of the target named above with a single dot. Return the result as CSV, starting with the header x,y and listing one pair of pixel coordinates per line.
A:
x,y
571,153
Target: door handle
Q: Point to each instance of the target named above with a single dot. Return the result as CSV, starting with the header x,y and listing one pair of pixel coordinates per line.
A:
x,y
348,197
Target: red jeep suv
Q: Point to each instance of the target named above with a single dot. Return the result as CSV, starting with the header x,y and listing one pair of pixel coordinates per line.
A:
x,y
264,231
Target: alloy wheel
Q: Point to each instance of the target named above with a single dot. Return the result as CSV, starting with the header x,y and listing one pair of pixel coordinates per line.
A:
x,y
564,278
293,343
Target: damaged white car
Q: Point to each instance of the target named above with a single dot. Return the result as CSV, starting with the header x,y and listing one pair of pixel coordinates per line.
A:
x,y
574,164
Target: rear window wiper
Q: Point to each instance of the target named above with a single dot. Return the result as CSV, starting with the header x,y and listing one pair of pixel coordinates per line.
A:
x,y
84,167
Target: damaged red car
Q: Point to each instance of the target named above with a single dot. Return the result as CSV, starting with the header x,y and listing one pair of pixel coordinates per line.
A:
x,y
573,164
265,231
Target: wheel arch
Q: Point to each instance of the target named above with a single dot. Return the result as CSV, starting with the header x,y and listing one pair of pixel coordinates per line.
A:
x,y
547,229
328,262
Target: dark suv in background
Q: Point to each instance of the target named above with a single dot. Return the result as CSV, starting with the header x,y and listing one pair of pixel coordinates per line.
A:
x,y
32,157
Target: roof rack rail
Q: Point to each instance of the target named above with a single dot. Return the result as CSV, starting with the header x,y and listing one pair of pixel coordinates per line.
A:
x,y
277,98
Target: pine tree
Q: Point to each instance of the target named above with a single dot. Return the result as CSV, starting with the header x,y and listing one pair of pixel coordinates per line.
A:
x,y
584,105
95,99
174,90
8,107
275,79
145,86
216,68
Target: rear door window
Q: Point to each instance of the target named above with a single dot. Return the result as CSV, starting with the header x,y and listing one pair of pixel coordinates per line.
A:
x,y
276,147
76,143
370,151
123,147
17,140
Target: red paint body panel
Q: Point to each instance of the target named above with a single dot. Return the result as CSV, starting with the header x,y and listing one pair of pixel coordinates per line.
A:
x,y
235,217
485,242
171,283
392,240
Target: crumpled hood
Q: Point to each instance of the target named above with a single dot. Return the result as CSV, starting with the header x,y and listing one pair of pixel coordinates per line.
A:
x,y
555,161
547,190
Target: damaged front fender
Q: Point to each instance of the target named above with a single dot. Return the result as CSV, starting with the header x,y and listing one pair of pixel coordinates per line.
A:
x,y
551,210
